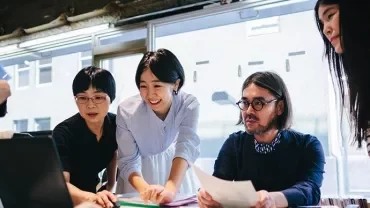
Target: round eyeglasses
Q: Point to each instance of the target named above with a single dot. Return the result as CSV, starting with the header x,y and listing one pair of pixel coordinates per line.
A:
x,y
96,99
257,104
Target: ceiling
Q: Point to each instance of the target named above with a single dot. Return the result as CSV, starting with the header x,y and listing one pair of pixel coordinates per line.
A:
x,y
23,14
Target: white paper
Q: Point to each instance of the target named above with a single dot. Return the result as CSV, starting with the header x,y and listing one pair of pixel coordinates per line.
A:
x,y
135,197
228,193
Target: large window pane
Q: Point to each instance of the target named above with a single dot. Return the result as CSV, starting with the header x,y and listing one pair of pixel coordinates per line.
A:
x,y
123,69
55,102
358,163
217,59
59,65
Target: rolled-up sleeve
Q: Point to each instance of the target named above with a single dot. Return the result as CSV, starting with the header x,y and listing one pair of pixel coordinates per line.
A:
x,y
62,138
129,160
188,142
307,191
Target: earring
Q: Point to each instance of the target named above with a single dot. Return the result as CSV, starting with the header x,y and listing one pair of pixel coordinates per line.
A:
x,y
176,92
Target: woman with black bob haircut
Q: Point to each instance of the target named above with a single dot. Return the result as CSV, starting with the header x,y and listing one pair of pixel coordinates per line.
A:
x,y
86,141
156,132
345,29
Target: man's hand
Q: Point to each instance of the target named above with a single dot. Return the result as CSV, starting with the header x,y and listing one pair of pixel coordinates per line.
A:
x,y
206,201
265,200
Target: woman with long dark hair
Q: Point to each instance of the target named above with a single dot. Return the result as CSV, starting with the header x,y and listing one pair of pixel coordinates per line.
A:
x,y
345,29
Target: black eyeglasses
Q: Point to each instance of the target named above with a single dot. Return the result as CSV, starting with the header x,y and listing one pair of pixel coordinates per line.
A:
x,y
96,99
257,104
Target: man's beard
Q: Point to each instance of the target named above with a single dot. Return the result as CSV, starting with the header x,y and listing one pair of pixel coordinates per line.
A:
x,y
263,129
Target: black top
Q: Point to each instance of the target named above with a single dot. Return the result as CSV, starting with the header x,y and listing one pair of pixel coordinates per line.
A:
x,y
295,167
80,152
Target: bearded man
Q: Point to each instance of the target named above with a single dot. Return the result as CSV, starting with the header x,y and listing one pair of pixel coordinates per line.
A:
x,y
285,166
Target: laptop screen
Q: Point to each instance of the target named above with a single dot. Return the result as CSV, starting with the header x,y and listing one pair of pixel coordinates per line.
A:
x,y
31,174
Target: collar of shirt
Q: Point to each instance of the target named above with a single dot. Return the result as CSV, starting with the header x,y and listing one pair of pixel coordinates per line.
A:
x,y
107,124
267,148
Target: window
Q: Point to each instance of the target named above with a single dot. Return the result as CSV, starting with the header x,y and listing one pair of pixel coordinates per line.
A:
x,y
20,125
42,124
219,51
125,79
58,63
85,59
22,75
44,72
108,64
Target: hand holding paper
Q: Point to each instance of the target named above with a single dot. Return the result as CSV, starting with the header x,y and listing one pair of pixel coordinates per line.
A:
x,y
228,193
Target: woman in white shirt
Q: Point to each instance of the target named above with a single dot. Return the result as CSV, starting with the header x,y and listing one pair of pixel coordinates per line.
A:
x,y
156,132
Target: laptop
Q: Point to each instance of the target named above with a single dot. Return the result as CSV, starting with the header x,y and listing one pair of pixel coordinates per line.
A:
x,y
31,174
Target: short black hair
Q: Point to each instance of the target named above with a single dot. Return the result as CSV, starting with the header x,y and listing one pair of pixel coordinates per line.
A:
x,y
164,65
276,86
98,78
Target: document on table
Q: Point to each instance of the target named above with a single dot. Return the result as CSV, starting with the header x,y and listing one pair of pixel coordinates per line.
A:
x,y
227,193
133,199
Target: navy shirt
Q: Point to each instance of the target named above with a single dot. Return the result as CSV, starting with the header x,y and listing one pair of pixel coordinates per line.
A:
x,y
295,167
81,154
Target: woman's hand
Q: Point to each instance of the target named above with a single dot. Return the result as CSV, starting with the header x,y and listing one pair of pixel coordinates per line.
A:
x,y
151,193
166,196
103,198
87,205
107,197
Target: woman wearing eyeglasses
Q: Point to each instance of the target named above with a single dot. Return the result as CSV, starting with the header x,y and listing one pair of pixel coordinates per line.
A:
x,y
86,141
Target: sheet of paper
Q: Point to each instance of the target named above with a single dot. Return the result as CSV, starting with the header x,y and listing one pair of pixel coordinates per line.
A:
x,y
227,193
180,199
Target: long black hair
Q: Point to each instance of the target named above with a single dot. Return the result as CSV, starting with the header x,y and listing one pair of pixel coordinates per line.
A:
x,y
351,69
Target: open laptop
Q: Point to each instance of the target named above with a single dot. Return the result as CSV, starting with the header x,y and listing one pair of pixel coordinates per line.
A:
x,y
31,174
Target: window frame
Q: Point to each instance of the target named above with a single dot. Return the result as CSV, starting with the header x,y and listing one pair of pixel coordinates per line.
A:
x,y
19,120
17,70
41,66
41,118
84,58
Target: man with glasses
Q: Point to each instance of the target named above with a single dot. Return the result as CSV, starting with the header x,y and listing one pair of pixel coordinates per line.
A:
x,y
285,166
86,142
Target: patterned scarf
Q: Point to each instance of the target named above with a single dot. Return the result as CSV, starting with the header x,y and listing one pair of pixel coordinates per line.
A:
x,y
267,148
